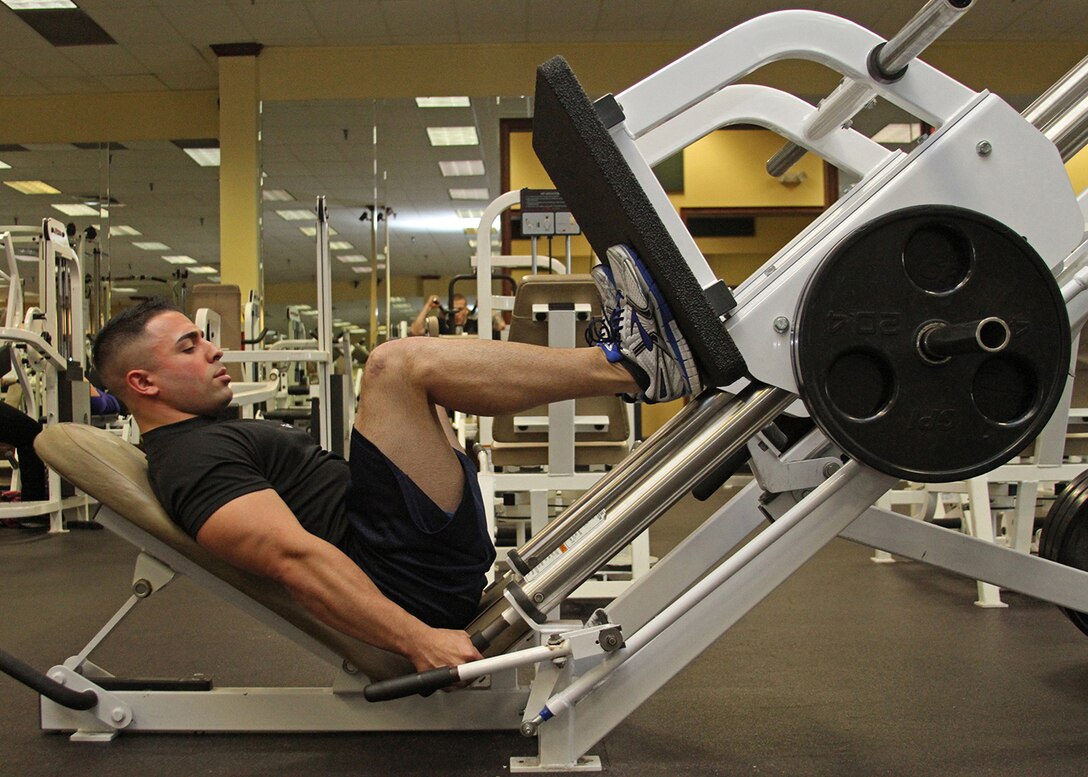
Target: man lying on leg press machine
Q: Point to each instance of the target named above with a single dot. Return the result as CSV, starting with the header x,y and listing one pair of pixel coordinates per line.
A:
x,y
390,548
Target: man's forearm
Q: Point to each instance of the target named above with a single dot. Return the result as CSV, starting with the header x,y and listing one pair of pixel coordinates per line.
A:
x,y
338,593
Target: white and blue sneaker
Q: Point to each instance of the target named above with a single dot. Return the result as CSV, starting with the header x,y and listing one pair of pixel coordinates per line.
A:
x,y
639,331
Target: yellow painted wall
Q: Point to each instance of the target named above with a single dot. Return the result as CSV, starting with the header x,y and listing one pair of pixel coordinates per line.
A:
x,y
726,169
1078,171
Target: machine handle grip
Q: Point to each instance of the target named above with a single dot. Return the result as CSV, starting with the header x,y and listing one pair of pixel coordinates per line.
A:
x,y
423,683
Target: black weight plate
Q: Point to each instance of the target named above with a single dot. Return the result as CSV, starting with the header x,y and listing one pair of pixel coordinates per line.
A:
x,y
856,356
1072,501
1065,535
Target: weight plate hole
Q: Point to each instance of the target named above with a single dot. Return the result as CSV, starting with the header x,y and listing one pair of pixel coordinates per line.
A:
x,y
938,258
1004,389
860,384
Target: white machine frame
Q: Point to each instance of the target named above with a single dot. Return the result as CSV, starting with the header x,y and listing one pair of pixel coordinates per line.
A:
x,y
699,590
52,335
562,422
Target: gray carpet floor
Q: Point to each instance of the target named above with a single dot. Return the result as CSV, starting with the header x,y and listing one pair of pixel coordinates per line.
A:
x,y
849,668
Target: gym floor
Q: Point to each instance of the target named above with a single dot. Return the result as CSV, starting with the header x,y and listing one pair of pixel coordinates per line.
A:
x,y
850,668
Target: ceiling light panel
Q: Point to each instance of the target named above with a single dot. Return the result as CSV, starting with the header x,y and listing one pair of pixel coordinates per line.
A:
x,y
470,213
152,246
32,187
4,166
442,102
179,259
351,258
360,268
462,167
469,194
277,195
117,230
340,245
75,209
296,215
453,136
38,5
312,231
203,269
205,157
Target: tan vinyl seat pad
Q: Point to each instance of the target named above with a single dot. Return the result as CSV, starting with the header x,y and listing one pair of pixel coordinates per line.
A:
x,y
115,473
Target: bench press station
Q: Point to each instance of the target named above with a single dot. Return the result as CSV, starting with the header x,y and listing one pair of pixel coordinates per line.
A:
x,y
922,307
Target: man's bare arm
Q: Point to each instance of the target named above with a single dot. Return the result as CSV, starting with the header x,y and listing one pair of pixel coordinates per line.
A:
x,y
259,533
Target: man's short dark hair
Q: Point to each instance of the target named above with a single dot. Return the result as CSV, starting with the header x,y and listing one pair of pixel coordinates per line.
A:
x,y
123,329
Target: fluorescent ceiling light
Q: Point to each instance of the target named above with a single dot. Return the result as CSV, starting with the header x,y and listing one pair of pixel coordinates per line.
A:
x,y
296,215
152,246
215,279
899,133
75,209
179,259
4,166
380,266
205,157
453,136
442,102
352,258
203,269
312,231
340,245
123,289
122,229
32,187
461,167
472,243
469,194
360,268
470,213
38,5
277,195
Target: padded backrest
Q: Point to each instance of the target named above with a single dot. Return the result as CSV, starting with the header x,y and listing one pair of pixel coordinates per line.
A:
x,y
115,473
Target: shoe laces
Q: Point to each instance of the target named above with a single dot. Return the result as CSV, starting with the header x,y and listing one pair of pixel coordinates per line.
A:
x,y
601,330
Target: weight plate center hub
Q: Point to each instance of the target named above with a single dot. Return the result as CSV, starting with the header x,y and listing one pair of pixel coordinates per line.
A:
x,y
932,344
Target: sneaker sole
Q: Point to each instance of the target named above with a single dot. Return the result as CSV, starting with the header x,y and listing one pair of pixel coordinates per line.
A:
x,y
634,272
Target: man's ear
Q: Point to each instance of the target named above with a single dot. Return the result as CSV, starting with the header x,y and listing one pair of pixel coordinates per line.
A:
x,y
140,383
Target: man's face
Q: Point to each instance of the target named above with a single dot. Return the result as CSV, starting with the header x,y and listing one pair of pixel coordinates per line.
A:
x,y
460,310
185,367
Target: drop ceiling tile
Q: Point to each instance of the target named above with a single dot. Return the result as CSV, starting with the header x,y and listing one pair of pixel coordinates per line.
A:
x,y
499,21
131,22
204,22
420,21
566,20
348,22
278,22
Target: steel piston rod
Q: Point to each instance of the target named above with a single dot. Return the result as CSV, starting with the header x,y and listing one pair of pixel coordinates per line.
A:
x,y
1061,112
887,62
679,456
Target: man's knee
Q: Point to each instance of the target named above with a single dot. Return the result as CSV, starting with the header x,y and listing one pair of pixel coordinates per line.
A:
x,y
394,361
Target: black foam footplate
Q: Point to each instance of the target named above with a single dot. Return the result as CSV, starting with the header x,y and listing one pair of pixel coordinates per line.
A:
x,y
611,208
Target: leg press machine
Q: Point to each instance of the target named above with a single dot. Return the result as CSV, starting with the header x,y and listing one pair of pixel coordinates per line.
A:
x,y
897,320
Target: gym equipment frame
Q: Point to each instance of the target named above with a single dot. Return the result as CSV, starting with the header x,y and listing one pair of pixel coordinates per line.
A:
x,y
953,207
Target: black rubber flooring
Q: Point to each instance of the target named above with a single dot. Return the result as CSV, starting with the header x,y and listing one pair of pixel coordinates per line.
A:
x,y
850,668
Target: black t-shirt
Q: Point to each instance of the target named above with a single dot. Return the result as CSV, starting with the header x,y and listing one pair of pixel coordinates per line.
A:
x,y
198,465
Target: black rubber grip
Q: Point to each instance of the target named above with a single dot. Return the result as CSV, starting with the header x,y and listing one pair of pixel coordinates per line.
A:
x,y
28,676
423,683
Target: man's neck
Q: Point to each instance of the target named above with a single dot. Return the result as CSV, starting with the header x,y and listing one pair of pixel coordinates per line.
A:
x,y
149,420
